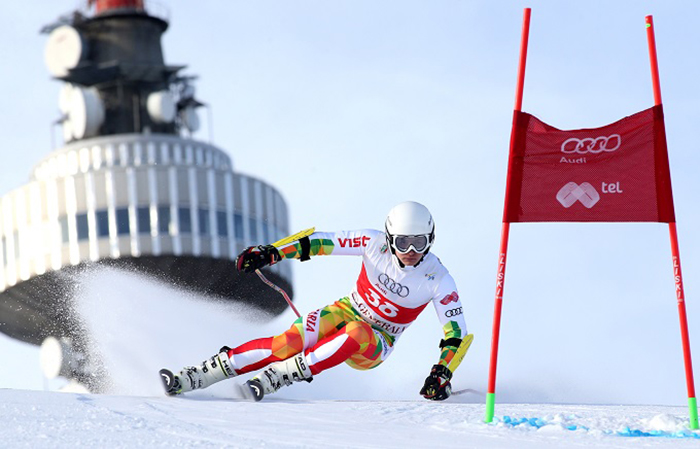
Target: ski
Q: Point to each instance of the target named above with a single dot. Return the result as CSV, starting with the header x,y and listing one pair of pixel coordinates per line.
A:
x,y
252,390
170,382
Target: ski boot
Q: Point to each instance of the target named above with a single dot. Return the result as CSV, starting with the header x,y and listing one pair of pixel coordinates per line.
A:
x,y
272,378
191,378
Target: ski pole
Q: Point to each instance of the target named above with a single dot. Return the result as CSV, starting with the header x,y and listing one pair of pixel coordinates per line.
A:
x,y
279,290
277,244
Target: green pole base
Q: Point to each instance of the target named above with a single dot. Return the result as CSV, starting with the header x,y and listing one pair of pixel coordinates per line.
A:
x,y
693,408
491,404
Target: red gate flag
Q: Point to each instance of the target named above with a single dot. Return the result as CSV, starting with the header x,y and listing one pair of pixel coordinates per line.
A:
x,y
615,173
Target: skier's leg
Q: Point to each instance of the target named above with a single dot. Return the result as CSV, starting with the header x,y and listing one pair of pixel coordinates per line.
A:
x,y
359,345
257,354
318,326
355,342
304,333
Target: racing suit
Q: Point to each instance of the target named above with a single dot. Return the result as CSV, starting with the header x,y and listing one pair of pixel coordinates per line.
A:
x,y
361,328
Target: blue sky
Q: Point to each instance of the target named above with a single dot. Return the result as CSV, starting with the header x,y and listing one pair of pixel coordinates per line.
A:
x,y
349,107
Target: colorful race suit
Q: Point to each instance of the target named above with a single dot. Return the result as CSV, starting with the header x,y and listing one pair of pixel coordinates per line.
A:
x,y
361,329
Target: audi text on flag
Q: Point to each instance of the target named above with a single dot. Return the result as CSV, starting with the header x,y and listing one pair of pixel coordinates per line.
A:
x,y
615,173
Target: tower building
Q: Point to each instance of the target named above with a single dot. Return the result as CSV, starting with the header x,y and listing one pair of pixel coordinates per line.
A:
x,y
130,187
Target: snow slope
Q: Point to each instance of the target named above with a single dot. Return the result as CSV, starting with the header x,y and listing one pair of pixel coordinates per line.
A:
x,y
49,419
138,326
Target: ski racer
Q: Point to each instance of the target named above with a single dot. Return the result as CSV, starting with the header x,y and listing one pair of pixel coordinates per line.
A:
x,y
398,279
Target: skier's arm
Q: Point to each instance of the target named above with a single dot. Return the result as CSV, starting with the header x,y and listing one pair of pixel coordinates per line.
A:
x,y
343,243
452,340
317,244
449,309
450,313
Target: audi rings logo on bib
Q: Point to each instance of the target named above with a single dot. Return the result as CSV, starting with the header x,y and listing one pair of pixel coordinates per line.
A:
x,y
591,145
393,286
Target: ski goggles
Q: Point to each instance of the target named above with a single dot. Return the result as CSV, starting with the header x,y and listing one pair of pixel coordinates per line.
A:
x,y
404,243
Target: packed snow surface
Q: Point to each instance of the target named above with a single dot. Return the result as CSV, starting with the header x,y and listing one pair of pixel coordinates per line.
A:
x,y
49,419
137,326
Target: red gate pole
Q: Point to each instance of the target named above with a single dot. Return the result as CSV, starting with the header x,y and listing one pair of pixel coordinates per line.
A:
x,y
500,277
675,252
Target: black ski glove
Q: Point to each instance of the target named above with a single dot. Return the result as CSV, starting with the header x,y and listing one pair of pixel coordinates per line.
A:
x,y
254,257
437,385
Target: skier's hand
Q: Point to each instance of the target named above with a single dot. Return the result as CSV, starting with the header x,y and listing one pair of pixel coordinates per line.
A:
x,y
437,385
254,257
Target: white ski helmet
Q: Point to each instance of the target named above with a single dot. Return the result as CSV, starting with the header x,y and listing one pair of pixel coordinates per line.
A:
x,y
410,226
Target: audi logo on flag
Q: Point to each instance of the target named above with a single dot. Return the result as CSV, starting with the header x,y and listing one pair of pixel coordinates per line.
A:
x,y
592,145
572,192
393,286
